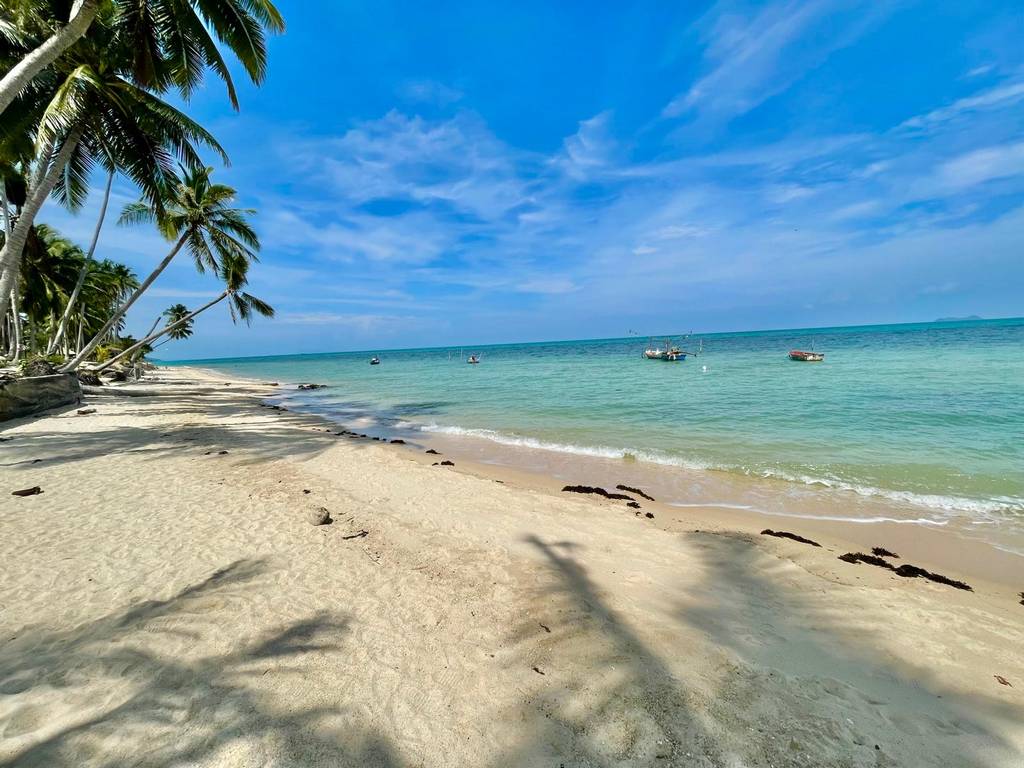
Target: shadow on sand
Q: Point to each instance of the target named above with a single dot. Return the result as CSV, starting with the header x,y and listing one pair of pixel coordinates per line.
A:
x,y
175,711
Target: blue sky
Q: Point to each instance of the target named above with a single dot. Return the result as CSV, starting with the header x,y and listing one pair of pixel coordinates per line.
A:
x,y
459,173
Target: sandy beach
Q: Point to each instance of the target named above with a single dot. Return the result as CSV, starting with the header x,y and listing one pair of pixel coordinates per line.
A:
x,y
165,601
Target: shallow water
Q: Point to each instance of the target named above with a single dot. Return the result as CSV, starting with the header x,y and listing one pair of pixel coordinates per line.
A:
x,y
928,418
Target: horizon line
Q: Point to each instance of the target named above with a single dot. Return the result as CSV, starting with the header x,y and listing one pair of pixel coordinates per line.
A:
x,y
948,321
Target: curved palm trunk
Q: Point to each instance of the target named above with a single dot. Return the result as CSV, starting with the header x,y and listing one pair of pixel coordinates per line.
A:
x,y
15,353
166,329
22,73
83,273
10,255
119,313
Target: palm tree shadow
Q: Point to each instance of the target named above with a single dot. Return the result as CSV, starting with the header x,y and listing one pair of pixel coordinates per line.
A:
x,y
602,696
803,664
178,709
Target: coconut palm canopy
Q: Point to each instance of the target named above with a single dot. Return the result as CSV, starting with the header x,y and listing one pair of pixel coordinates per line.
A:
x,y
83,88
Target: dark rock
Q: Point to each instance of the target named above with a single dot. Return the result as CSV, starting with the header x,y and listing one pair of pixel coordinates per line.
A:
x,y
312,386
597,491
883,552
88,378
272,384
447,463
1022,598
319,516
649,515
30,395
33,491
432,452
788,535
436,464
632,505
398,442
85,411
637,491
222,453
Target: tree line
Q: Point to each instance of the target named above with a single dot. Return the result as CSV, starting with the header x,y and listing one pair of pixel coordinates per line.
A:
x,y
84,91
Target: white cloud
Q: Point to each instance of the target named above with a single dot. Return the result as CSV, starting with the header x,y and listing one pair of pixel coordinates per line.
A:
x,y
429,92
994,98
980,166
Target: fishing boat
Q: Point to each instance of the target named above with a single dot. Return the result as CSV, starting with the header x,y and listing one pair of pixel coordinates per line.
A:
x,y
473,360
806,357
374,360
669,354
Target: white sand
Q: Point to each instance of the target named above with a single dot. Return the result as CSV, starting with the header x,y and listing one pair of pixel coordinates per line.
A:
x,y
165,606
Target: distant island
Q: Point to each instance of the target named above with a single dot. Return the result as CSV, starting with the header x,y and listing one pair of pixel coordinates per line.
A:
x,y
958,319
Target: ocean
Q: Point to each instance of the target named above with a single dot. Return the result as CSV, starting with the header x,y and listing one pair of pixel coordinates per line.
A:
x,y
922,423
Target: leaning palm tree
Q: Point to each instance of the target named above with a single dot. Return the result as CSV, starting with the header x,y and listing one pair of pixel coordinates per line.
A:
x,y
196,215
97,116
242,305
177,31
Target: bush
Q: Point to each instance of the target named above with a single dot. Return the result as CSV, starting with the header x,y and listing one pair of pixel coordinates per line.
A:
x,y
104,352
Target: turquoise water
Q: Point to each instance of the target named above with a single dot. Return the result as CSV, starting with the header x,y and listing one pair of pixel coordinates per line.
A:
x,y
928,414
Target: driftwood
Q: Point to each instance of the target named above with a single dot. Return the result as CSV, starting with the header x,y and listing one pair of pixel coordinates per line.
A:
x,y
35,490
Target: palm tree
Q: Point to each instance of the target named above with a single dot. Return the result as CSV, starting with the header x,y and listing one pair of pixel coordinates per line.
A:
x,y
96,115
176,315
195,214
18,20
176,32
242,305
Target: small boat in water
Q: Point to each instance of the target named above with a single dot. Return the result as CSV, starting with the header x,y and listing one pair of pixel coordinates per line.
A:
x,y
670,354
374,360
806,357
473,360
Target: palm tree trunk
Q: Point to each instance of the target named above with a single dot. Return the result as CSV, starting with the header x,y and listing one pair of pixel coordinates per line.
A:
x,y
166,329
10,255
83,273
15,329
119,313
22,73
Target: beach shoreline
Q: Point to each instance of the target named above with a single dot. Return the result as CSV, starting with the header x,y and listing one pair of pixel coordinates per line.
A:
x,y
472,614
945,548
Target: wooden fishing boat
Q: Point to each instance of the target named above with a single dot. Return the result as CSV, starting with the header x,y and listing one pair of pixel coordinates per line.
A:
x,y
375,360
806,357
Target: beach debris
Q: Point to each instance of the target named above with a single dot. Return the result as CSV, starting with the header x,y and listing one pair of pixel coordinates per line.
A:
x,y
906,570
788,535
85,411
597,491
649,515
88,378
1022,598
545,627
860,557
637,491
35,490
447,463
398,442
222,453
306,490
632,505
432,452
357,535
535,669
1002,680
319,516
312,386
883,552
272,384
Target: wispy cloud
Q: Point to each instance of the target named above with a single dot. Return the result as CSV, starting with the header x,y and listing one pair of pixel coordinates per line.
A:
x,y
994,98
750,57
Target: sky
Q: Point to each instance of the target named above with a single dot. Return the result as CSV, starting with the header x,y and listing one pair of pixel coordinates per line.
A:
x,y
431,174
